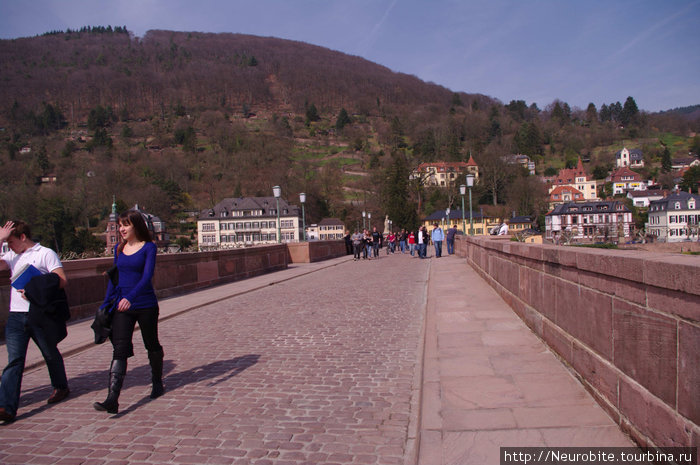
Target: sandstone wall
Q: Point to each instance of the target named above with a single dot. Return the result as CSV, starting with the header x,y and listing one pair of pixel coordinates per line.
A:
x,y
626,322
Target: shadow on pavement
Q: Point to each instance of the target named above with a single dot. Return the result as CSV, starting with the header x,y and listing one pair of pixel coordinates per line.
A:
x,y
225,369
219,372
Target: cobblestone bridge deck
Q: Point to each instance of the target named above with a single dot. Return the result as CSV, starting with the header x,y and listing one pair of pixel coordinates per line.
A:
x,y
388,361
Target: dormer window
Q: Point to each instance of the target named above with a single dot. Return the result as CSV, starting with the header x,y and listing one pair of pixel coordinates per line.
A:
x,y
677,206
691,204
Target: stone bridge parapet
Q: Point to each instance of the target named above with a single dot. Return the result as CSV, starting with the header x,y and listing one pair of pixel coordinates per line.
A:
x,y
627,323
180,273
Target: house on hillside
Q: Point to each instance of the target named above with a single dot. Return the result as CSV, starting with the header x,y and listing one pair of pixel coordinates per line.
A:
x,y
675,218
522,160
248,221
624,179
590,221
442,173
687,162
633,158
576,178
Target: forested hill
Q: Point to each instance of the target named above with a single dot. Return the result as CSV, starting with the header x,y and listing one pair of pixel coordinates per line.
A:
x,y
177,121
163,69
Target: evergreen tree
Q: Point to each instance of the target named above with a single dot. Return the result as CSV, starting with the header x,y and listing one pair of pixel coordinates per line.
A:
x,y
591,113
395,189
561,112
312,114
528,139
629,112
343,119
99,117
666,163
691,178
517,109
616,111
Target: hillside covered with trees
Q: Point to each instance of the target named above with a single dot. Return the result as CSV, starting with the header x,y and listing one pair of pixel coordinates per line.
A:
x,y
176,121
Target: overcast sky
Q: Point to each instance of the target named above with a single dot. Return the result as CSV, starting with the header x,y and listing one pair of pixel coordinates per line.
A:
x,y
578,51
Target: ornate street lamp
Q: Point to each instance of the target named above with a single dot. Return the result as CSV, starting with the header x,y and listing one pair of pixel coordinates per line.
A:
x,y
447,218
277,192
470,184
302,199
369,220
364,214
463,191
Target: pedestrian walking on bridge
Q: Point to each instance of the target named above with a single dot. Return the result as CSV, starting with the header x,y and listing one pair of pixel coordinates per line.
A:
x,y
135,299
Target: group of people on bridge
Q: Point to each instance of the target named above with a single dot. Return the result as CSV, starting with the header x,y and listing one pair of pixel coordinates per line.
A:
x,y
365,245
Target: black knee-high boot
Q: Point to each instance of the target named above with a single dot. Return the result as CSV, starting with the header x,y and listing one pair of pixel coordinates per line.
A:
x,y
155,358
117,372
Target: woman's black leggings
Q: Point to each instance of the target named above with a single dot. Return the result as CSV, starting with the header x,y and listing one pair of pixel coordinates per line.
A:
x,y
123,324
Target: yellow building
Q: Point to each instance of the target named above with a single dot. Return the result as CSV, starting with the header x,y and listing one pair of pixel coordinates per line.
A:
x,y
482,224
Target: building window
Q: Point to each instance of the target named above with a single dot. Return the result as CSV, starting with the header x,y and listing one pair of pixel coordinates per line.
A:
x,y
208,227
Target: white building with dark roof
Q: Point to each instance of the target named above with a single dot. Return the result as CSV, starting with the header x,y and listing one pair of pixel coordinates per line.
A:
x,y
633,158
248,221
675,218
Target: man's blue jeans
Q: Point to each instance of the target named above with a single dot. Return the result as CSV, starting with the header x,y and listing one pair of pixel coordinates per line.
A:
x,y
402,246
450,246
438,248
18,331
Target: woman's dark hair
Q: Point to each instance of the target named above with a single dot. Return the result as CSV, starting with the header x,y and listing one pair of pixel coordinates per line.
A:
x,y
135,219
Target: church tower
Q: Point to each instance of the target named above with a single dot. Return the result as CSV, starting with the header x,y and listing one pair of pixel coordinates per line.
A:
x,y
112,233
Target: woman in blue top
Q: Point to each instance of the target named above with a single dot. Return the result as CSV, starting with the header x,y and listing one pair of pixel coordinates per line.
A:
x,y
135,258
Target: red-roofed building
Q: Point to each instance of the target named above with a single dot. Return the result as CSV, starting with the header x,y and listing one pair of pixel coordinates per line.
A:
x,y
577,179
624,179
472,167
564,194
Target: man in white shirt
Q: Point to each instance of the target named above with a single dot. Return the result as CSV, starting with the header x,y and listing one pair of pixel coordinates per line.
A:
x,y
19,328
